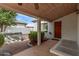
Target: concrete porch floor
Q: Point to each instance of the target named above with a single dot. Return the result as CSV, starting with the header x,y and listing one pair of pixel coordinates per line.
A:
x,y
42,50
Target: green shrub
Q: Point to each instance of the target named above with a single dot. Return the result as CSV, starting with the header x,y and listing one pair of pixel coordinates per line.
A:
x,y
33,36
1,39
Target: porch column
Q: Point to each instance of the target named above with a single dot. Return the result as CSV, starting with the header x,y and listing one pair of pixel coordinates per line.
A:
x,y
38,32
78,30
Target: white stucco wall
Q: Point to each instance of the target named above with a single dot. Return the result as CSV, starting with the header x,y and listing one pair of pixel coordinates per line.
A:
x,y
69,26
50,29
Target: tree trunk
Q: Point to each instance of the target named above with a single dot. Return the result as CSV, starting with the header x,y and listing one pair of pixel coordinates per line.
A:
x,y
5,27
2,28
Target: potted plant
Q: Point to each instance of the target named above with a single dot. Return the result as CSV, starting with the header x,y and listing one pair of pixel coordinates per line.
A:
x,y
1,39
33,37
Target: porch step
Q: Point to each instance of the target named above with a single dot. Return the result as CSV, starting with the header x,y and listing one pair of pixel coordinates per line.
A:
x,y
67,50
66,47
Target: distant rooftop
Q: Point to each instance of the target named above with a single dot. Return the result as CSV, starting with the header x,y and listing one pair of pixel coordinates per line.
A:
x,y
20,22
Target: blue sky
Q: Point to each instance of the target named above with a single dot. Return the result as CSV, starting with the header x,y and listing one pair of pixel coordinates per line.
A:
x,y
24,18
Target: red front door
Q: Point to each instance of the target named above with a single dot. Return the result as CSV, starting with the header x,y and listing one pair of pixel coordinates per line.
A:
x,y
57,29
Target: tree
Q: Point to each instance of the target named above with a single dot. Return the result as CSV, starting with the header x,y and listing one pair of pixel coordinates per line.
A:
x,y
7,18
1,39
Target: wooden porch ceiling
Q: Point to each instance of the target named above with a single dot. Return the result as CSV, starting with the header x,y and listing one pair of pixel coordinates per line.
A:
x,y
48,11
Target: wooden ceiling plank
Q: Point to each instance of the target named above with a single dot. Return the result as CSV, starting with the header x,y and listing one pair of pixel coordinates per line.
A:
x,y
49,11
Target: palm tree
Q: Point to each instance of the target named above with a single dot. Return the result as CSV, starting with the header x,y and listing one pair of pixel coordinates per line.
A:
x,y
7,18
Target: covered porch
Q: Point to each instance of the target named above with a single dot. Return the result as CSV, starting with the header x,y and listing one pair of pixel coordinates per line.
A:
x,y
52,13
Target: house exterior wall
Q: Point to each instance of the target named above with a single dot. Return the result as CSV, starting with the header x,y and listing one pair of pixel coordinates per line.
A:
x,y
69,27
50,29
